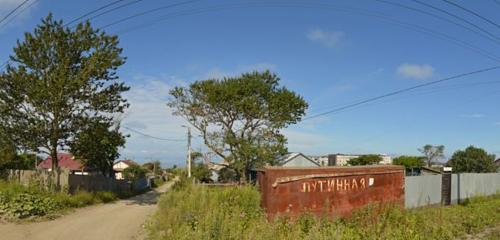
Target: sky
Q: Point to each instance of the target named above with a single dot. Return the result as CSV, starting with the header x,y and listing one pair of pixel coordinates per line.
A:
x,y
332,53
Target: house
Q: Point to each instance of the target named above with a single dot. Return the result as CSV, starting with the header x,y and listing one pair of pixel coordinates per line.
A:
x,y
66,161
340,159
297,160
497,163
214,169
121,165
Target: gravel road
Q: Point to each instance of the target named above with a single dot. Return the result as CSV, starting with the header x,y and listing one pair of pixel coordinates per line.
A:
x,y
123,219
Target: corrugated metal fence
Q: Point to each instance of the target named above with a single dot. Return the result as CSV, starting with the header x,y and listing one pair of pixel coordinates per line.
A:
x,y
426,190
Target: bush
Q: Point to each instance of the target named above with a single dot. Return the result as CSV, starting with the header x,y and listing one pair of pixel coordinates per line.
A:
x,y
25,205
17,201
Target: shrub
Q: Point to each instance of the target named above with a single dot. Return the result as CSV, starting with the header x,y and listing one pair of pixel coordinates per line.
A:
x,y
106,197
24,205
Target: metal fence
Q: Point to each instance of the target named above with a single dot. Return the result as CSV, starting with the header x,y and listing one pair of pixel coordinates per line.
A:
x,y
426,190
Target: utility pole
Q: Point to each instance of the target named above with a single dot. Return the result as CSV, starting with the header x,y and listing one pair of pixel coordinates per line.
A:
x,y
188,163
189,152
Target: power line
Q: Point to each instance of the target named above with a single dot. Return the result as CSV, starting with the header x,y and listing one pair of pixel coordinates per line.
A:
x,y
148,12
153,137
401,91
13,10
18,13
400,5
93,11
457,17
323,6
472,12
114,9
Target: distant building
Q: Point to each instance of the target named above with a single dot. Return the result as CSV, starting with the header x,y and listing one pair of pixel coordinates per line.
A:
x,y
321,160
497,162
65,161
121,165
342,159
297,160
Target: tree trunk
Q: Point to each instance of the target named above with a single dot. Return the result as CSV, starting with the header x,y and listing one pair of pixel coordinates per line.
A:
x,y
55,165
243,176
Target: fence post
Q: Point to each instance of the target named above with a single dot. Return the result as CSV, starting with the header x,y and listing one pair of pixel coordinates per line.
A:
x,y
446,186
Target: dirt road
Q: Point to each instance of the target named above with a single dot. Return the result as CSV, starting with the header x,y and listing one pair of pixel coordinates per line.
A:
x,y
120,220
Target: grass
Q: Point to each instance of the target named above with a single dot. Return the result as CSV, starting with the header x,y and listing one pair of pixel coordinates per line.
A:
x,y
198,212
21,202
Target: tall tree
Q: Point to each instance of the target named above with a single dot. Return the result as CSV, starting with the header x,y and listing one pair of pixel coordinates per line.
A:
x,y
60,80
97,146
472,159
365,160
432,153
240,118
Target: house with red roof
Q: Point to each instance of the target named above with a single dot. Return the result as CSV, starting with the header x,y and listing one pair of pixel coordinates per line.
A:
x,y
121,165
66,161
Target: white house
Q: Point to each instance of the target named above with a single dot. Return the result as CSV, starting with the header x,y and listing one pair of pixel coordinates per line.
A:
x,y
297,160
121,165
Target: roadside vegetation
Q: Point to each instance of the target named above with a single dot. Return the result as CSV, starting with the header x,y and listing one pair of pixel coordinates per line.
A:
x,y
21,202
200,212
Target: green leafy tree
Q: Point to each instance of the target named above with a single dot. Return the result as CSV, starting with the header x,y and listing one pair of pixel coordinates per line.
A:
x,y
227,175
472,159
409,161
432,153
58,81
134,173
365,160
240,118
8,152
97,146
202,173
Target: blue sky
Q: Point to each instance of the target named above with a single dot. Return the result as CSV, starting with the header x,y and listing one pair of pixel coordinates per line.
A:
x,y
331,52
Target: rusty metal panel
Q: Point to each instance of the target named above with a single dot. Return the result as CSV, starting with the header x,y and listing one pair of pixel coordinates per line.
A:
x,y
334,191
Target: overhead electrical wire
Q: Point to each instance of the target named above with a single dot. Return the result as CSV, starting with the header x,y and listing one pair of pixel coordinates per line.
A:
x,y
457,17
372,99
400,5
18,13
93,11
322,6
4,64
473,13
13,11
148,12
419,92
153,137
113,9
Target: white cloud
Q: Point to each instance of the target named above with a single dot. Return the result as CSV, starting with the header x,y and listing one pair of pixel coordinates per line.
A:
x,y
415,71
307,142
473,115
149,114
328,39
